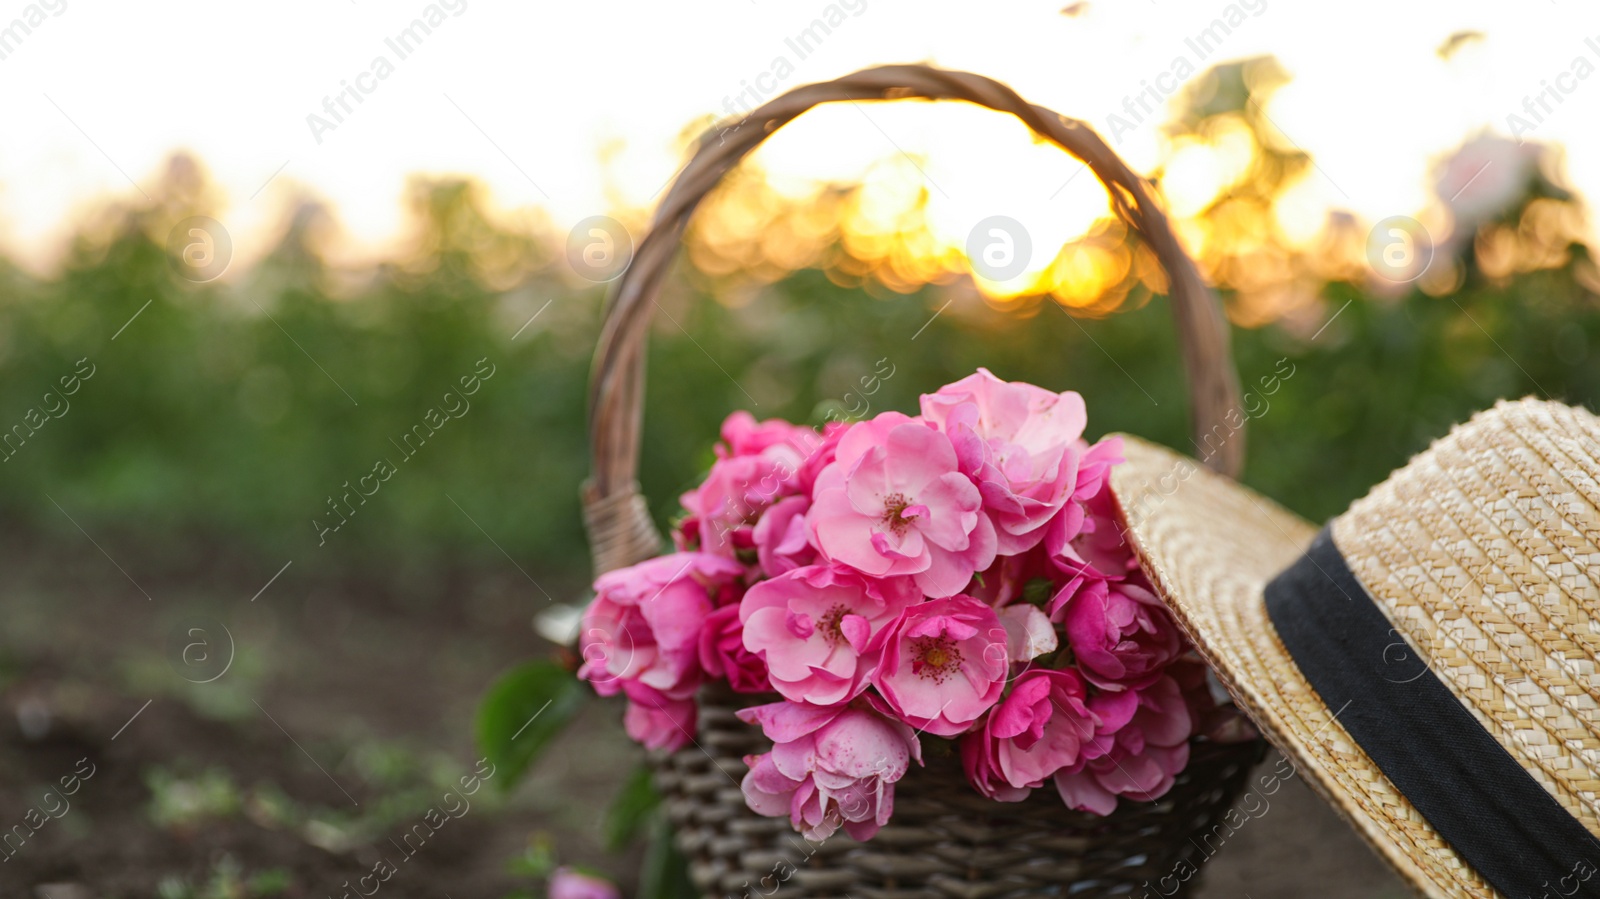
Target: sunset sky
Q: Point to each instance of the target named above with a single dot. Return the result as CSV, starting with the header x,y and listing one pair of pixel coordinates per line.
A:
x,y
582,108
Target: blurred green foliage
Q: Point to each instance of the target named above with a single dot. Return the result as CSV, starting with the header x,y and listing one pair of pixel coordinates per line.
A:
x,y
225,415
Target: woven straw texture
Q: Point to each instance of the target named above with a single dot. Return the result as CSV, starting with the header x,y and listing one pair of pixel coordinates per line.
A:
x,y
1481,551
945,841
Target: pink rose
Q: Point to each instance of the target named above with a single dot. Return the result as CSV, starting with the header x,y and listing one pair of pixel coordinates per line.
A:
x,y
1022,445
644,624
757,464
1094,471
822,456
658,721
742,435
1120,633
567,883
1095,544
943,664
828,767
1214,715
894,502
1008,579
722,653
782,544
1140,759
1036,731
725,507
813,625
1013,412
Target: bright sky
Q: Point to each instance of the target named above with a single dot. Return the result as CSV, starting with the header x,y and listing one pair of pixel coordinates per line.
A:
x,y
530,97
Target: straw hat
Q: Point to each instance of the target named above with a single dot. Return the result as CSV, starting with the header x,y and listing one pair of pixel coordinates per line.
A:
x,y
1429,660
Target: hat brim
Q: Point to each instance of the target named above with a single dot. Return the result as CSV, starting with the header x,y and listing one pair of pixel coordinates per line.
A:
x,y
1210,546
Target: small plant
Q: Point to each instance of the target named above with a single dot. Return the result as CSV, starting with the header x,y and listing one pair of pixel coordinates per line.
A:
x,y
228,880
185,803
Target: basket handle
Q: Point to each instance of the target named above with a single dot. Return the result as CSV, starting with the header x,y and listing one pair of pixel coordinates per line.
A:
x,y
620,530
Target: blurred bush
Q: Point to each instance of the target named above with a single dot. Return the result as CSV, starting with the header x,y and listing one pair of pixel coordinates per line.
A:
x,y
225,416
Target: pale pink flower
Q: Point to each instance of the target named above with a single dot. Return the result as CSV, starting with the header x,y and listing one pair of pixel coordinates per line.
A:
x,y
828,767
1037,730
813,627
1121,635
943,664
658,721
1020,442
1014,412
758,464
1139,760
724,509
569,883
894,502
1029,633
644,623
724,657
1487,176
782,542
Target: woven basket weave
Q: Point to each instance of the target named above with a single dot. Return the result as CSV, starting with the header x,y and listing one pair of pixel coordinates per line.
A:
x,y
944,841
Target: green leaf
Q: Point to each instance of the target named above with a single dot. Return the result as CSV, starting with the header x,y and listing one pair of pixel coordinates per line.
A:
x,y
630,810
522,712
665,872
1038,591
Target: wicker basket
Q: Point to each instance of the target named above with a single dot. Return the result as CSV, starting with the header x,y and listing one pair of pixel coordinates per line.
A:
x,y
945,841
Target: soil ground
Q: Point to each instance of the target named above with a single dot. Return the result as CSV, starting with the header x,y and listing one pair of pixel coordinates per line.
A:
x,y
345,708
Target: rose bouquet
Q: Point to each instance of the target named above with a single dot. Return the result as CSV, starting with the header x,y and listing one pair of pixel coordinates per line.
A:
x,y
959,574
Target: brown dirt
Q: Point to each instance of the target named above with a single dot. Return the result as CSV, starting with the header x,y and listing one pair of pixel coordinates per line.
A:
x,y
344,667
